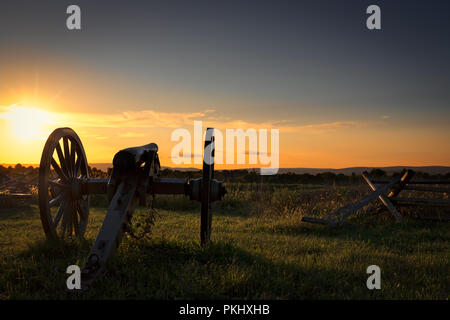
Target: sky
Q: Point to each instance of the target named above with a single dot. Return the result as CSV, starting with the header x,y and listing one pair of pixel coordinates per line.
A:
x,y
341,95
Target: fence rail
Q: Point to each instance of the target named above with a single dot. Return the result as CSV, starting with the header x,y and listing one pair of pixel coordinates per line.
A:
x,y
387,191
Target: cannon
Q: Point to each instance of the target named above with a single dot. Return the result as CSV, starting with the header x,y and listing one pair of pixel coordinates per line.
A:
x,y
65,186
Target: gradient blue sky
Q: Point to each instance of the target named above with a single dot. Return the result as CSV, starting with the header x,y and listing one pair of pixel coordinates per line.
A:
x,y
296,62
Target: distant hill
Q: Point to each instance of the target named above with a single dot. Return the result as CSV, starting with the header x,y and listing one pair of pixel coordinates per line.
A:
x,y
105,166
101,166
358,170
6,165
347,171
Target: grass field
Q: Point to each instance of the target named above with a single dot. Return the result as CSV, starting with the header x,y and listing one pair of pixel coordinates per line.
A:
x,y
259,250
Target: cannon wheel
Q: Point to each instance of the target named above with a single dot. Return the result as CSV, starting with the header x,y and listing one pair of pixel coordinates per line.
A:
x,y
64,210
208,175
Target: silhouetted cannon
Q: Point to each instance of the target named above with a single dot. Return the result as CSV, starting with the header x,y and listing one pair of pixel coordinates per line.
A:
x,y
65,186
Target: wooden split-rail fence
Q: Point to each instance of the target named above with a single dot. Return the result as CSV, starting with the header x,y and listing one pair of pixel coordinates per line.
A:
x,y
18,188
387,192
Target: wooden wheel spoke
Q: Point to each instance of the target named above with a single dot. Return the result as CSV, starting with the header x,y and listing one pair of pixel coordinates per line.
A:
x,y
58,170
67,157
76,226
62,161
72,157
56,201
59,214
77,166
81,208
80,160
58,184
65,216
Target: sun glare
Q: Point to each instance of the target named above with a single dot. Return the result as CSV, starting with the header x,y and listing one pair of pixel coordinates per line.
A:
x,y
27,123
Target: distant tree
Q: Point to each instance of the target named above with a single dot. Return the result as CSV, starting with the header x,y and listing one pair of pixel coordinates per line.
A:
x,y
327,177
421,175
396,174
378,173
3,177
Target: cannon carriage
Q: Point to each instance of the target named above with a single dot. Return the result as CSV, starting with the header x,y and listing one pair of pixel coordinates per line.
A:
x,y
65,187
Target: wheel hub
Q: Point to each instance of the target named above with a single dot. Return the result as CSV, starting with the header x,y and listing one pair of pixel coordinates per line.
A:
x,y
75,188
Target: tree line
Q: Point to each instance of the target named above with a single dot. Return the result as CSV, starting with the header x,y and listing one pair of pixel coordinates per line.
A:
x,y
233,176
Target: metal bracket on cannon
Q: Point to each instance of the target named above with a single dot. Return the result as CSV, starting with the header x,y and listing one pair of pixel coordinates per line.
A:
x,y
65,186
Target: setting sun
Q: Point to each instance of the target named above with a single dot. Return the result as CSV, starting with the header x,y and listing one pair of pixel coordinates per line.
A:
x,y
26,123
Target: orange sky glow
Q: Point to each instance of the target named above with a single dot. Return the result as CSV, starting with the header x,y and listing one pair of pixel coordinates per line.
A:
x,y
24,129
98,109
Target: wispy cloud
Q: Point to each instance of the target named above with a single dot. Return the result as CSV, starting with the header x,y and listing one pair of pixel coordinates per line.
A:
x,y
131,135
132,119
329,126
146,119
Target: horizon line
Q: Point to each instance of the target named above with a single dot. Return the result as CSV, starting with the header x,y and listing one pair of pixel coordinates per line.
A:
x,y
254,168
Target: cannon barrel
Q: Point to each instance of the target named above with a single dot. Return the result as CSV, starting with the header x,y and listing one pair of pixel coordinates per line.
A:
x,y
132,158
